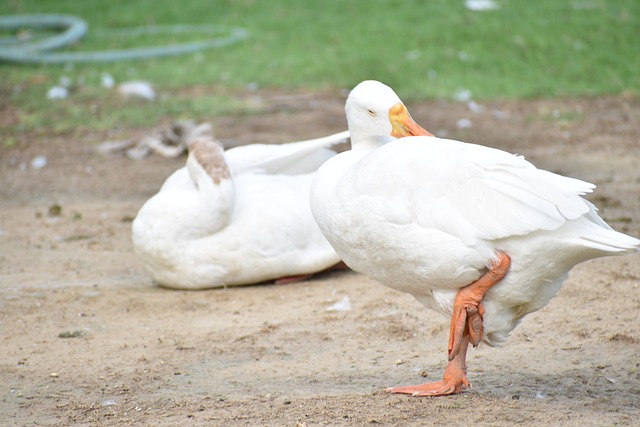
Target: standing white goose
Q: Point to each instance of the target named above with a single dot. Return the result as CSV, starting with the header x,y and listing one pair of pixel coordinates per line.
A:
x,y
236,217
476,233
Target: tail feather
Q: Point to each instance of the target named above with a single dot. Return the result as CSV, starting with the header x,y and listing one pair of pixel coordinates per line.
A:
x,y
597,234
611,241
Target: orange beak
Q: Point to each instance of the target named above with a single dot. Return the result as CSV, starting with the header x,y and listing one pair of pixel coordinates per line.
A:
x,y
403,124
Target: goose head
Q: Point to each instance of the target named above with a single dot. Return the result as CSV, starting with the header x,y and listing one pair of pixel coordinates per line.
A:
x,y
376,115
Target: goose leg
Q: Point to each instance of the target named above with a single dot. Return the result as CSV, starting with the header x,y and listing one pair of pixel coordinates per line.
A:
x,y
466,327
453,380
293,279
301,277
467,308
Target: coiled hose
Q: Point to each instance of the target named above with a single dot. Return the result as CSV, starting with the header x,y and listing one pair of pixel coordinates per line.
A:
x,y
12,49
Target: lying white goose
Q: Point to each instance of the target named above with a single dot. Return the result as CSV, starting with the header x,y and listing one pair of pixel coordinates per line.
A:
x,y
236,217
475,233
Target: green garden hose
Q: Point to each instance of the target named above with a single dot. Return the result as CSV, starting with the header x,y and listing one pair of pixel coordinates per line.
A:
x,y
40,51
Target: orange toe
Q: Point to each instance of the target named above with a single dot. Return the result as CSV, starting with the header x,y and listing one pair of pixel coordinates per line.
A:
x,y
474,325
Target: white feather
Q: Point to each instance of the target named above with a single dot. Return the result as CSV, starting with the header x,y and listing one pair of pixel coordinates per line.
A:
x,y
292,158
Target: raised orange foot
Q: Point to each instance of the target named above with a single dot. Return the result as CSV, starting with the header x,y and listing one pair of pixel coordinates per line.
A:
x,y
467,308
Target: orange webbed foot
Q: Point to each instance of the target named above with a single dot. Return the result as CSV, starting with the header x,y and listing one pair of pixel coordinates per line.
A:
x,y
453,381
438,388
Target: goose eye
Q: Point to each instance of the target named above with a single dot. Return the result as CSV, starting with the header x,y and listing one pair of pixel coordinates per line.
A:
x,y
372,113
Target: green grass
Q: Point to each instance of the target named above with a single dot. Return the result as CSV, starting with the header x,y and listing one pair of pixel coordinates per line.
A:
x,y
424,49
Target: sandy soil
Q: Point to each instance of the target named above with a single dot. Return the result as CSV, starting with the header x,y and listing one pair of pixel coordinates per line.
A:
x,y
89,340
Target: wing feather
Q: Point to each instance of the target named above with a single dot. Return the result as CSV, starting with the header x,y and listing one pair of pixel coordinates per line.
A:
x,y
469,191
291,158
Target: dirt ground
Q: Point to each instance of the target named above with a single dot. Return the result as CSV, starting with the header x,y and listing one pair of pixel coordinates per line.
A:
x,y
87,339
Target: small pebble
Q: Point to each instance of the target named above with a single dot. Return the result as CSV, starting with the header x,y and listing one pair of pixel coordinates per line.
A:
x,y
481,5
464,124
57,92
462,95
38,162
137,89
474,107
343,305
107,80
69,334
54,210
